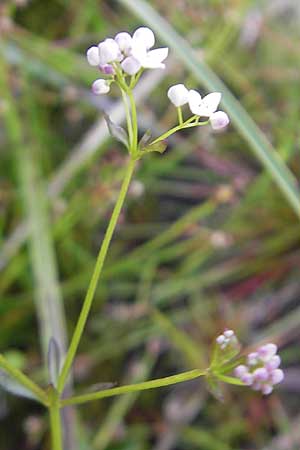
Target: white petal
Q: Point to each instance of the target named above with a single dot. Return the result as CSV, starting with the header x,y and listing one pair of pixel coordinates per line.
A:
x,y
124,41
178,94
92,55
154,58
219,120
195,100
138,51
100,86
145,36
131,65
211,102
109,51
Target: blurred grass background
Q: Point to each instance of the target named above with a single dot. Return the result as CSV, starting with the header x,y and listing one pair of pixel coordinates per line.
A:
x,y
206,236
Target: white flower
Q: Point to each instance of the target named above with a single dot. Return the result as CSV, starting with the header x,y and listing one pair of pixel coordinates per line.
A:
x,y
109,51
178,95
204,106
145,36
100,86
131,65
219,120
124,41
92,55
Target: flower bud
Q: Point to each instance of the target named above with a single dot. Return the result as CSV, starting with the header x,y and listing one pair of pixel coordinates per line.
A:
x,y
109,51
124,41
178,95
145,36
219,120
92,55
100,86
240,370
277,376
107,69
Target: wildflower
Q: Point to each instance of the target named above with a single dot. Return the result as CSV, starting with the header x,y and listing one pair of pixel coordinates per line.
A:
x,y
206,106
262,371
100,86
124,41
178,95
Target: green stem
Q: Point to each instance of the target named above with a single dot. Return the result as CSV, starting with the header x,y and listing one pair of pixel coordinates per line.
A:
x,y
184,125
166,381
95,277
180,117
55,424
19,376
134,122
128,118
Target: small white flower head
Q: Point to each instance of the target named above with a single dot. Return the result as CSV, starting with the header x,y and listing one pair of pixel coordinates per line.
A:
x,y
219,120
144,36
109,51
262,371
204,107
93,56
124,41
130,65
178,95
100,87
226,339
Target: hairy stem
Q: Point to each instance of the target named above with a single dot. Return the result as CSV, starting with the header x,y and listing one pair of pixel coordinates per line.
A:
x,y
160,382
95,278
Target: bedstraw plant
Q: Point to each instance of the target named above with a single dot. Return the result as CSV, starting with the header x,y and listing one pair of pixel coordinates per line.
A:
x,y
121,62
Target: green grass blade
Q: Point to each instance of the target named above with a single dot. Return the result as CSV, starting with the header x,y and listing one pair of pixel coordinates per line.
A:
x,y
246,126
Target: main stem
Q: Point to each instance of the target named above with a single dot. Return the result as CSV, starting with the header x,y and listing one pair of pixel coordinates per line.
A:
x,y
55,423
95,277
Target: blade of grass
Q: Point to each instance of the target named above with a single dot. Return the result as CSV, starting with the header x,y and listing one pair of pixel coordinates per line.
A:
x,y
262,148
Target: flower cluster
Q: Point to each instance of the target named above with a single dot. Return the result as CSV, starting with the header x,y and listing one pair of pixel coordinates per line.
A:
x,y
228,338
262,369
126,54
207,106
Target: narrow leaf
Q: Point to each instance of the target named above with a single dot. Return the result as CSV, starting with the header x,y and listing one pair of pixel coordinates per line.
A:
x,y
116,131
53,361
13,387
230,380
145,139
159,147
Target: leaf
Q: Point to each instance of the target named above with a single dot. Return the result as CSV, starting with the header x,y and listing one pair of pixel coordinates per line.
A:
x,y
257,141
159,147
116,131
53,361
214,387
13,387
145,139
230,380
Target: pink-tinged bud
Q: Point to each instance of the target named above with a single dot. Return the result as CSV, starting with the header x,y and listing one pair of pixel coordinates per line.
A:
x,y
109,51
267,389
261,374
247,378
100,87
273,363
252,358
240,370
228,333
256,386
219,120
277,376
131,65
124,41
92,55
107,69
220,339
267,351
